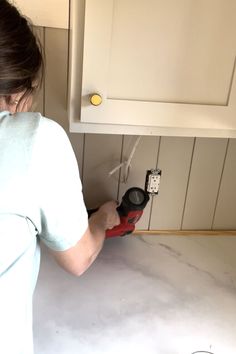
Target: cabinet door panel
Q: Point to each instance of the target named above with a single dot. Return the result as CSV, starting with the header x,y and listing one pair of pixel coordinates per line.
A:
x,y
171,51
160,64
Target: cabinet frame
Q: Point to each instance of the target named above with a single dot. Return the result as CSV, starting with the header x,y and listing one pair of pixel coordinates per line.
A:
x,y
164,119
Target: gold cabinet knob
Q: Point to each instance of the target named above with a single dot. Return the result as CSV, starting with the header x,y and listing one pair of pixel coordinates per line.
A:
x,y
95,99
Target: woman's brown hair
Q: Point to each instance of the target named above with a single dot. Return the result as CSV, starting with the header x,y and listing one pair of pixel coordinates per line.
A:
x,y
21,55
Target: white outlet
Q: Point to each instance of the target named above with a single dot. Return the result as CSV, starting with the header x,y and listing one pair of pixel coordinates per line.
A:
x,y
153,178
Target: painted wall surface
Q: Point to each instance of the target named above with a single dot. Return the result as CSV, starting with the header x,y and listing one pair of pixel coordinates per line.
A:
x,y
197,188
49,13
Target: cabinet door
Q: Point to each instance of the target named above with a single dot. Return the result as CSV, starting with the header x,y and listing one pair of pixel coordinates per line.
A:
x,y
47,13
167,64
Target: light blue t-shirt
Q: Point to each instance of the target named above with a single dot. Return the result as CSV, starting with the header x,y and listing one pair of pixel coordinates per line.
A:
x,y
40,198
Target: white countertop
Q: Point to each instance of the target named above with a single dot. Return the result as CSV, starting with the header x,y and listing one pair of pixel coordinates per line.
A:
x,y
144,294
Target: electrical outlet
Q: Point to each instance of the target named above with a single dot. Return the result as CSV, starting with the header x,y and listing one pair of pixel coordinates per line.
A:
x,y
153,178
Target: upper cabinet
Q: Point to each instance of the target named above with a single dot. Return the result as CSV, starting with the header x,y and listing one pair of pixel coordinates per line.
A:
x,y
47,13
159,67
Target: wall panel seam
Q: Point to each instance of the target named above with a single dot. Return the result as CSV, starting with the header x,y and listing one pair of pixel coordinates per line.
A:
x,y
220,182
187,186
121,158
158,151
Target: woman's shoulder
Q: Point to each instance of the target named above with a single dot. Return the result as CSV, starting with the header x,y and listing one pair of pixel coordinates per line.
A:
x,y
36,121
34,127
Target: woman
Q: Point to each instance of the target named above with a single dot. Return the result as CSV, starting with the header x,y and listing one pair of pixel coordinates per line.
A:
x,y
40,188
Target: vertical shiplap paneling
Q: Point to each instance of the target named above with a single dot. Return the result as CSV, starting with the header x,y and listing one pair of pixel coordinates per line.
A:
x,y
205,176
101,154
225,216
56,50
56,47
174,161
144,159
38,102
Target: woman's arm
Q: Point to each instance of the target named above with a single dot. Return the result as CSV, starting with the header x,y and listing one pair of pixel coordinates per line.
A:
x,y
77,259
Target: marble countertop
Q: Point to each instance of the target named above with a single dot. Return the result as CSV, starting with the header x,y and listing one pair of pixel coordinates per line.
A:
x,y
144,294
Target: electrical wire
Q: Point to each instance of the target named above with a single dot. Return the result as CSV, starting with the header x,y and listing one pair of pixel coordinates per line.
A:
x,y
126,163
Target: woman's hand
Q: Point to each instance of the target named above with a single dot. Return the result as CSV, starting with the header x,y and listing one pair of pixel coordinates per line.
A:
x,y
109,214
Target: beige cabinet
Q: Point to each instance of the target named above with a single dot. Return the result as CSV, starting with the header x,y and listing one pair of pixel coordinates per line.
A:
x,y
161,67
47,13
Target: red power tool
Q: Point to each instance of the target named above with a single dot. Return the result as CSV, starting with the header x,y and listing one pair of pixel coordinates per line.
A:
x,y
130,211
